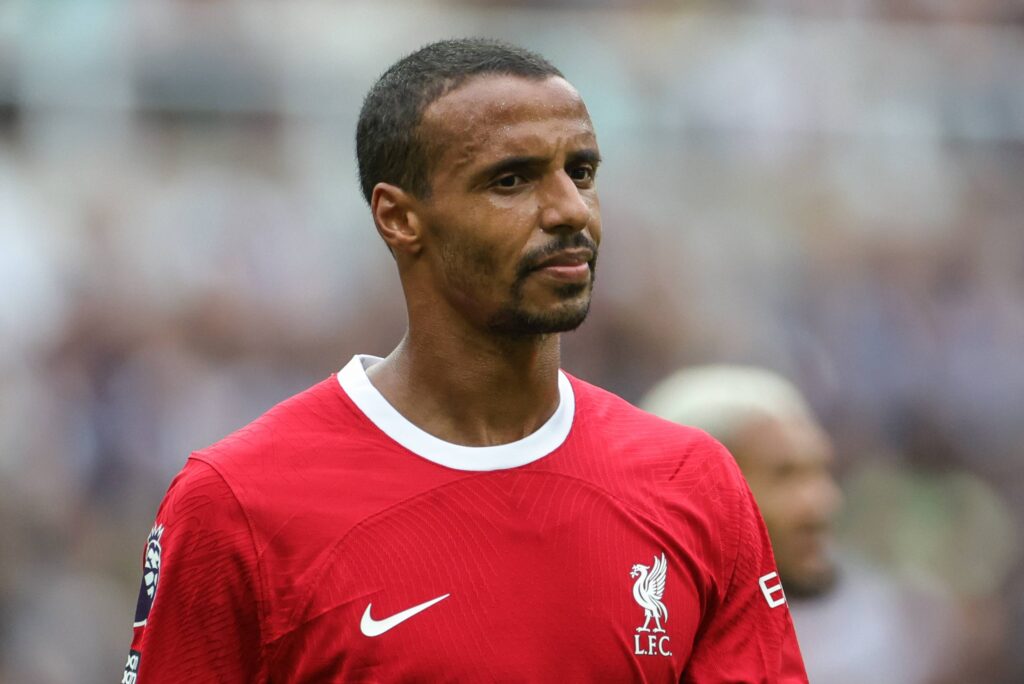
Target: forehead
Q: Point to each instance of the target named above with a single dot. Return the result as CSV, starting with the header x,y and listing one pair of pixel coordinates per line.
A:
x,y
793,441
494,114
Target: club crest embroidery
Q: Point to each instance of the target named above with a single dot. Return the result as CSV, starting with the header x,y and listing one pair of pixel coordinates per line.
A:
x,y
150,576
648,590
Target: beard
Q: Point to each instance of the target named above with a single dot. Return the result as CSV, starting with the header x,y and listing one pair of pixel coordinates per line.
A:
x,y
809,586
515,319
469,267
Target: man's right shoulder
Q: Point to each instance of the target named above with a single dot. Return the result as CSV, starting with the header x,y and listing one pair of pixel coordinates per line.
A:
x,y
289,431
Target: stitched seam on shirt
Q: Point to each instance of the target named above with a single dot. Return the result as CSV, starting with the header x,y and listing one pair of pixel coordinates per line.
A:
x,y
260,580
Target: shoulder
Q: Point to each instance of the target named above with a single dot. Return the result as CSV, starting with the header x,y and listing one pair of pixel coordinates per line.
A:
x,y
289,455
681,475
639,434
679,469
291,426
198,490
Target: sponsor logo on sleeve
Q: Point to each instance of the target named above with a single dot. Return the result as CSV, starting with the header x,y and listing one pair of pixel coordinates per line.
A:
x,y
150,576
131,668
648,590
771,587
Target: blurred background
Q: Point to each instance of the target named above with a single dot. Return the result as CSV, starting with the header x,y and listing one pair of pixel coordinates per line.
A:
x,y
833,190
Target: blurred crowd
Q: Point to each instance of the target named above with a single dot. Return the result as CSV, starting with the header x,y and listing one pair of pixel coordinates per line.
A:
x,y
829,190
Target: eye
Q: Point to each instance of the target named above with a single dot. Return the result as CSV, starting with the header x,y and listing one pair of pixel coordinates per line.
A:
x,y
512,180
582,174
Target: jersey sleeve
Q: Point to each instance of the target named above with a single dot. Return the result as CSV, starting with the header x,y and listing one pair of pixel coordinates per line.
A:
x,y
197,618
747,635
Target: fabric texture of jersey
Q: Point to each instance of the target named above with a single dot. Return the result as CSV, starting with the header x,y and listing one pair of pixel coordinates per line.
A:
x,y
332,541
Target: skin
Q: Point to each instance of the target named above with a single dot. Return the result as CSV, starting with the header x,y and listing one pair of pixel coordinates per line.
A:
x,y
788,464
512,187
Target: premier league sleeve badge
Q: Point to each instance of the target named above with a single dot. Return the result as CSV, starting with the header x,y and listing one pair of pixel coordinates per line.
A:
x,y
150,576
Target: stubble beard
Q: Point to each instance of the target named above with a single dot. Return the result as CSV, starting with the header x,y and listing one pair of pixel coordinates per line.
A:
x,y
515,320
810,586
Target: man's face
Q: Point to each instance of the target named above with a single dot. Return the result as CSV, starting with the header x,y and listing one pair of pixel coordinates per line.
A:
x,y
512,219
788,466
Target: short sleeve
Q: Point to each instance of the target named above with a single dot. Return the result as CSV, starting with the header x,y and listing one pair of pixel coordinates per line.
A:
x,y
748,635
197,618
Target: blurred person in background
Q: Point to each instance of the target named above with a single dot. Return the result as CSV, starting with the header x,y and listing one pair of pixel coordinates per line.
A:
x,y
452,511
855,624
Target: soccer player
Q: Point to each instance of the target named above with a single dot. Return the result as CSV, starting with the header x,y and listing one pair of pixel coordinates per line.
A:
x,y
463,510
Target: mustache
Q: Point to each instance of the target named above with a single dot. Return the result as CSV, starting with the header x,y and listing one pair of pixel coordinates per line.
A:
x,y
534,258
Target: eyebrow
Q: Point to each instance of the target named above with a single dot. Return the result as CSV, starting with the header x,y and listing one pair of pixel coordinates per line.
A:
x,y
527,163
588,155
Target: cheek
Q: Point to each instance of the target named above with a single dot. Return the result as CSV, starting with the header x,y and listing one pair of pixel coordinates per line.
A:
x,y
776,524
470,261
482,240
779,511
594,226
494,243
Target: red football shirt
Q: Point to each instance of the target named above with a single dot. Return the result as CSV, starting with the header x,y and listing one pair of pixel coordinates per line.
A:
x,y
333,541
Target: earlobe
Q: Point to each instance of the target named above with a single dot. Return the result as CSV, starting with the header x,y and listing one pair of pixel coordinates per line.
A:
x,y
394,213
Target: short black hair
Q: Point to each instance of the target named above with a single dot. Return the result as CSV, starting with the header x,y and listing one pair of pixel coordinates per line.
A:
x,y
389,148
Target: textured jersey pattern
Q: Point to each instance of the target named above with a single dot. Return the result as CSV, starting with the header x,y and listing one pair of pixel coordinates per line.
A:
x,y
277,539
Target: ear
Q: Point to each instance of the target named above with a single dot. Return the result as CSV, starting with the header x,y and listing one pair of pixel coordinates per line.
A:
x,y
395,214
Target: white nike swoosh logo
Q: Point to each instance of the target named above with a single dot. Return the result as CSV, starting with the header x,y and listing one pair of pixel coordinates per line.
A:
x,y
372,628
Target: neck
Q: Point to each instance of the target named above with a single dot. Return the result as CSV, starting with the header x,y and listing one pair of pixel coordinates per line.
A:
x,y
471,388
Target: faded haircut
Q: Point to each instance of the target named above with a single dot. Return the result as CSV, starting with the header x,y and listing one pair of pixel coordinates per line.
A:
x,y
389,143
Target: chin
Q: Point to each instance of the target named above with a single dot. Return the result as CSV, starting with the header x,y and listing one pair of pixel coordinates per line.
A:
x,y
809,583
564,317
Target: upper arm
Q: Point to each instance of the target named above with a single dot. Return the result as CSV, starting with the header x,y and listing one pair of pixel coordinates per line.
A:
x,y
198,613
747,634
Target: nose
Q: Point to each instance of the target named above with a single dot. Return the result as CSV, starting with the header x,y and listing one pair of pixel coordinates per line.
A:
x,y
822,497
564,207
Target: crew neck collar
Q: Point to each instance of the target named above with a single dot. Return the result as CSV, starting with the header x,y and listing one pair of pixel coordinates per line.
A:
x,y
375,407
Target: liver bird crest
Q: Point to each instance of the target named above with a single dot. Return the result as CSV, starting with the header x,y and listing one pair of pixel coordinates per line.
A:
x,y
648,590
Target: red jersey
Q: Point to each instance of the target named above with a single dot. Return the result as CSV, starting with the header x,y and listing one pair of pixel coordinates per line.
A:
x,y
331,540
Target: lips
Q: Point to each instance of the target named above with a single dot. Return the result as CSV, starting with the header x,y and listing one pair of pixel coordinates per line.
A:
x,y
569,257
571,265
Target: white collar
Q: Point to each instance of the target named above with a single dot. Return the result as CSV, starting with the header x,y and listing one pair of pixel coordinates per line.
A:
x,y
547,438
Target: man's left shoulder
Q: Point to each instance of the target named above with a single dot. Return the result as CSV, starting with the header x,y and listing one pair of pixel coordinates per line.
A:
x,y
689,481
599,408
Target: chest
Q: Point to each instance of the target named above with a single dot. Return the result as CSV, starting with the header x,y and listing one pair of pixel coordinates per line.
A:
x,y
557,581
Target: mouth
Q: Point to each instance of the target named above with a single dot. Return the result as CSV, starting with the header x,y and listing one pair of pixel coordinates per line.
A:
x,y
571,265
811,541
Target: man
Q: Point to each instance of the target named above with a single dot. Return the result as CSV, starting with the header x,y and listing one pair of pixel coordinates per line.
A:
x,y
462,510
857,626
